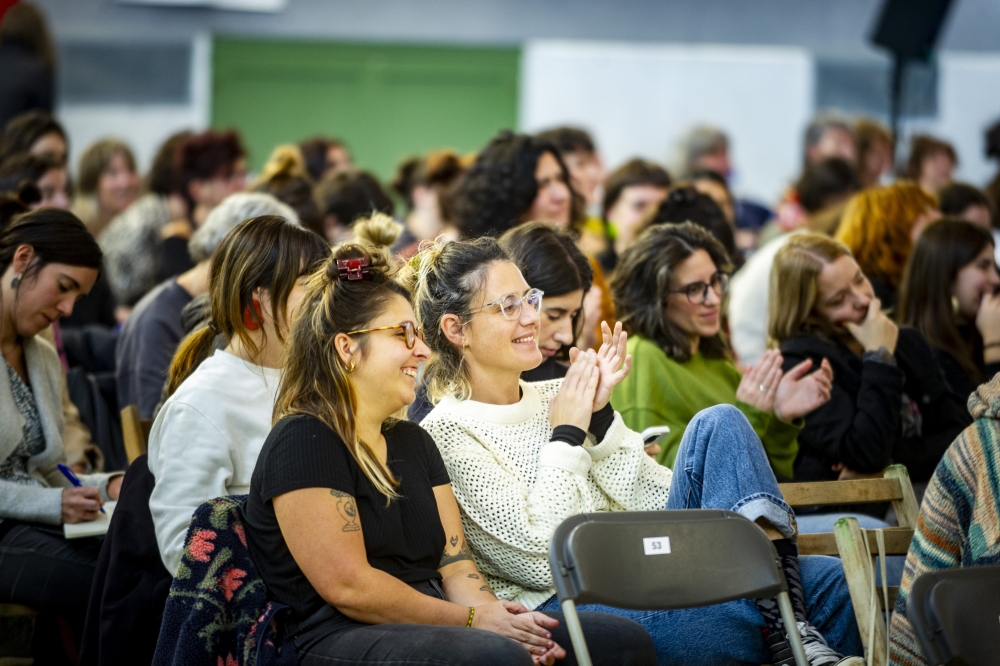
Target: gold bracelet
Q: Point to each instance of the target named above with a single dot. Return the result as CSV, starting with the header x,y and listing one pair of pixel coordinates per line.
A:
x,y
472,614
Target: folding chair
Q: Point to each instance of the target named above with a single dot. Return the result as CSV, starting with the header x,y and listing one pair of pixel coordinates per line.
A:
x,y
664,560
954,613
856,547
135,432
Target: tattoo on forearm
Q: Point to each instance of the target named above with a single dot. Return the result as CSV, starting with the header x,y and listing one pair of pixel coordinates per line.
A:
x,y
486,588
464,553
347,510
454,541
476,576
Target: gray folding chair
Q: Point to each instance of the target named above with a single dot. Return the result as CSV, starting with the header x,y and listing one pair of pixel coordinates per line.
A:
x,y
663,560
954,613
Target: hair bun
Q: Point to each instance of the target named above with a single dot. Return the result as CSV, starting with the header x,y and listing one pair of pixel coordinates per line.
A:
x,y
379,230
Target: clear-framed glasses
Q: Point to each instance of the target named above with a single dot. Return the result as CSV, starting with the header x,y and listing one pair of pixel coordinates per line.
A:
x,y
511,304
697,292
409,328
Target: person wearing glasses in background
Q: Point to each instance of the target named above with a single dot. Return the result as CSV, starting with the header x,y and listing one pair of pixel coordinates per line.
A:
x,y
668,290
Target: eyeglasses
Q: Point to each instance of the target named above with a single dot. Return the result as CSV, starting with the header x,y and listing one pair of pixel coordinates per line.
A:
x,y
697,292
511,304
409,328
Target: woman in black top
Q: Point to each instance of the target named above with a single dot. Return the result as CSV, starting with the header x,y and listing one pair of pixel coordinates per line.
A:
x,y
351,518
949,295
889,401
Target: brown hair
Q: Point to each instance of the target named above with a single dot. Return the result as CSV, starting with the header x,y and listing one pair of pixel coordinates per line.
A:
x,y
923,146
24,24
447,277
284,176
96,159
876,228
943,249
634,172
793,290
314,380
645,274
266,251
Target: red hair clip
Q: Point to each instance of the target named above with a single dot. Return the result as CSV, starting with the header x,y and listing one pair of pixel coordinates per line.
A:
x,y
353,269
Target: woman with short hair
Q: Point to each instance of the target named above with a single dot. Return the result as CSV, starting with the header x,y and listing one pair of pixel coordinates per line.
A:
x,y
107,183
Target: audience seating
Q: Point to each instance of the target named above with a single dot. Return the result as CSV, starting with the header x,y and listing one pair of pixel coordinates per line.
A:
x,y
954,613
714,556
135,432
848,540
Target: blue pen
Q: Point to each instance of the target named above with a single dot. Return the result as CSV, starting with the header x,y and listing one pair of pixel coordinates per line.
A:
x,y
69,474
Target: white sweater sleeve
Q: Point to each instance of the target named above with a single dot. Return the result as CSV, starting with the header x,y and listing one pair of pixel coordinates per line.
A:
x,y
192,463
626,474
511,517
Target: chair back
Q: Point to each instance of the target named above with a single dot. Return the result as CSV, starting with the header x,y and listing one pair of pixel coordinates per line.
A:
x,y
954,613
655,560
135,432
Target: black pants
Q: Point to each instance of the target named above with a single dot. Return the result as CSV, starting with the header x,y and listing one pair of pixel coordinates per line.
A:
x,y
41,569
612,641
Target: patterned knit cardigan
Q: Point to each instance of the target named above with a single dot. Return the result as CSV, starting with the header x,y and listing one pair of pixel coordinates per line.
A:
x,y
959,522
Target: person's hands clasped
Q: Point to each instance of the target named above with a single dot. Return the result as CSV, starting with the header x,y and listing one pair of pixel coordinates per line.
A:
x,y
759,385
528,628
613,361
876,331
799,394
573,405
80,505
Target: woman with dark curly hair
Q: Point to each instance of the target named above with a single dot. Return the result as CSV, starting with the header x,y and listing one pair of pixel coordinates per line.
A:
x,y
516,178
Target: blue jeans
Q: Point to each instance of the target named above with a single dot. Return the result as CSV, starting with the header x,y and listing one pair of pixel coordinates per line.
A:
x,y
721,464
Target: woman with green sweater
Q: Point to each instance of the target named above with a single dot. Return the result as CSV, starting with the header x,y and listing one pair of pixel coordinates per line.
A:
x,y
668,292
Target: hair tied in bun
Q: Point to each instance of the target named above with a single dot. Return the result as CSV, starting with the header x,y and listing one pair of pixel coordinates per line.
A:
x,y
354,269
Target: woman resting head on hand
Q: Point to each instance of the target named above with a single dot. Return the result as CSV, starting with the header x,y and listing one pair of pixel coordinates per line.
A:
x,y
889,401
351,517
949,295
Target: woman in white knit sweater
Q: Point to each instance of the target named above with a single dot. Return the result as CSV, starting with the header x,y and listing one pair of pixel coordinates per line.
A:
x,y
523,457
206,438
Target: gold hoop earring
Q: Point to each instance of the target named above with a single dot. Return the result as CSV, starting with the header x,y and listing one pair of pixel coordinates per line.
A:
x,y
349,368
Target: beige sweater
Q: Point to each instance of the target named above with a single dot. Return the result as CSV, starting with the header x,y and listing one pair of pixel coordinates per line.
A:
x,y
515,487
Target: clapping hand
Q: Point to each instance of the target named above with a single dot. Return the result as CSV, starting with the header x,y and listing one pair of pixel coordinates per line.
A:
x,y
759,385
799,394
613,361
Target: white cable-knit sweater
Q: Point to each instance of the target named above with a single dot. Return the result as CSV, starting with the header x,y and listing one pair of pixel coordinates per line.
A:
x,y
515,487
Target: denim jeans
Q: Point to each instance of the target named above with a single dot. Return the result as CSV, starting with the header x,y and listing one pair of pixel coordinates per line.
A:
x,y
721,464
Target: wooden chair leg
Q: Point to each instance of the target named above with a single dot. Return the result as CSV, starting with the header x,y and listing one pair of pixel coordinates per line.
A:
x,y
857,571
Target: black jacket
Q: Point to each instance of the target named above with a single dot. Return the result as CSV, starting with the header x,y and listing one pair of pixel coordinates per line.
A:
x,y
955,375
862,426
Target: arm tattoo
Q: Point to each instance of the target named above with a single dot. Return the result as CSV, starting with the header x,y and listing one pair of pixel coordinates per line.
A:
x,y
486,588
476,576
464,553
347,510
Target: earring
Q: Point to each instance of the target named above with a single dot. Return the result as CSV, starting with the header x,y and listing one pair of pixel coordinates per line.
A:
x,y
16,282
349,368
248,319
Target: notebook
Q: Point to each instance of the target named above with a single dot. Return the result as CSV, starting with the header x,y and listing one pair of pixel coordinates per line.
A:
x,y
96,527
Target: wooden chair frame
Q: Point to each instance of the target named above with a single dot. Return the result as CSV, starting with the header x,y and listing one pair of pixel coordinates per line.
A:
x,y
135,432
848,539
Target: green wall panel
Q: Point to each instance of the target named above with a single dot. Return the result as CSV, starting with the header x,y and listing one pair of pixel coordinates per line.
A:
x,y
385,101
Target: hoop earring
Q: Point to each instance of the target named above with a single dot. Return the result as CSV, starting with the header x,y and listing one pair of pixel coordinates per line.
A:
x,y
349,368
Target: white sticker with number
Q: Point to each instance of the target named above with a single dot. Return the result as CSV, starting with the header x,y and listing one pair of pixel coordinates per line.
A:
x,y
656,545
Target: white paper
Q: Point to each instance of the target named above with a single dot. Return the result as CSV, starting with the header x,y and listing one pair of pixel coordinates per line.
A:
x,y
95,527
656,545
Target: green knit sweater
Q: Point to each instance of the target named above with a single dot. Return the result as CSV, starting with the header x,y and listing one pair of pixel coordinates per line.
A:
x,y
959,521
661,391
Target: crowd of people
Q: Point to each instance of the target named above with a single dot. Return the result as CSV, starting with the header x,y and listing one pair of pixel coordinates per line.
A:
x,y
411,405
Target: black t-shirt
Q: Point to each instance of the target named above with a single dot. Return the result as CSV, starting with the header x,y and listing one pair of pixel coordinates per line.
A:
x,y
404,539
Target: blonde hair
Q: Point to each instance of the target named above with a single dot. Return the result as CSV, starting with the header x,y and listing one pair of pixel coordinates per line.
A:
x,y
315,381
284,164
793,290
876,227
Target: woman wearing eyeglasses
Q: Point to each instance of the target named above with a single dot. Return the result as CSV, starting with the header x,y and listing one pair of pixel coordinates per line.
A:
x,y
351,518
669,289
524,456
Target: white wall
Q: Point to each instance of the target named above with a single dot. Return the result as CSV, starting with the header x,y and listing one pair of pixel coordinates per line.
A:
x,y
144,127
968,103
638,99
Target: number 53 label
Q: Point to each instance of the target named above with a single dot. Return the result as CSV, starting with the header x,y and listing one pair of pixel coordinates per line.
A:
x,y
656,545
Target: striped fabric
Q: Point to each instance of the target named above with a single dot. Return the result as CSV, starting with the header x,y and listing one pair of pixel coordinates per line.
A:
x,y
959,522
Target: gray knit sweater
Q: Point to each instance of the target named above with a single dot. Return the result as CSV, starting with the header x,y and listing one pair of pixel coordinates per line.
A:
x,y
42,504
